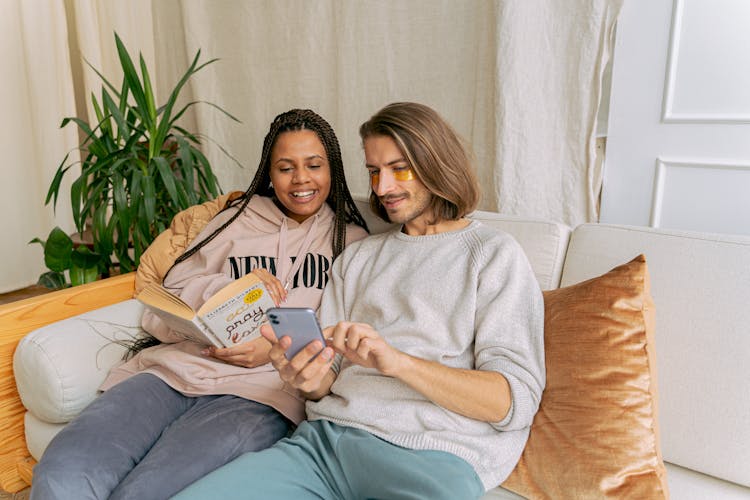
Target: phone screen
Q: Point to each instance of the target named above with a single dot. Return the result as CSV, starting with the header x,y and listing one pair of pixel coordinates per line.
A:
x,y
299,323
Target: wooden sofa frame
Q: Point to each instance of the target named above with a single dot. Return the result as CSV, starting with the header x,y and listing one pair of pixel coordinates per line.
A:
x,y
18,319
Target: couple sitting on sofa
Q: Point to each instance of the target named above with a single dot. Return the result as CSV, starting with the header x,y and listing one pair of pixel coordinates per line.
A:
x,y
418,381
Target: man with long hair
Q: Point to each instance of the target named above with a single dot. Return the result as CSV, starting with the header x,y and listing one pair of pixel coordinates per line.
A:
x,y
434,366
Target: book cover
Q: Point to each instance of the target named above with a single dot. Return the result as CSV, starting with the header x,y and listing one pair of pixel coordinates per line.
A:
x,y
231,316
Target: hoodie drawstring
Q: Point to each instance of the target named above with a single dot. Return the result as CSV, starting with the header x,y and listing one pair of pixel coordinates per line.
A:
x,y
286,277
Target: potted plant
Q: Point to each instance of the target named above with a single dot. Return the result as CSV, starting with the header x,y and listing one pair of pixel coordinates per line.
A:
x,y
139,167
61,255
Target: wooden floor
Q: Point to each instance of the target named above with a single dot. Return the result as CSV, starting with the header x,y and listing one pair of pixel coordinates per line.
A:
x,y
24,293
21,495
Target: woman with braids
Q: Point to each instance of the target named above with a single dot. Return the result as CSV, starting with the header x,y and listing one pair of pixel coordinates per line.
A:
x,y
178,410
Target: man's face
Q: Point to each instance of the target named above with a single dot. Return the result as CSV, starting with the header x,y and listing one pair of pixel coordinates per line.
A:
x,y
404,197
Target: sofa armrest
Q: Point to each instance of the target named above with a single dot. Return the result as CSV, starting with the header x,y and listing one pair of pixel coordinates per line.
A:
x,y
18,319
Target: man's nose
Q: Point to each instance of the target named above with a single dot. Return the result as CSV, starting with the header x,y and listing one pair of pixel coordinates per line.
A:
x,y
385,183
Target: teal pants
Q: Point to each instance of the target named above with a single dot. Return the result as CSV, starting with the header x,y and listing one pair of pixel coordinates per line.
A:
x,y
327,461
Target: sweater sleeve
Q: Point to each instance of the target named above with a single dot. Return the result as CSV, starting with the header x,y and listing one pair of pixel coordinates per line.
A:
x,y
510,330
333,306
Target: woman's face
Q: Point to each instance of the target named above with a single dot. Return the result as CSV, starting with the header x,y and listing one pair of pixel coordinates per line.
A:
x,y
300,173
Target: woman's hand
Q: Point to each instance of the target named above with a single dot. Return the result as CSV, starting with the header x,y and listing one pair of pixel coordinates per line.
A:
x,y
272,284
248,354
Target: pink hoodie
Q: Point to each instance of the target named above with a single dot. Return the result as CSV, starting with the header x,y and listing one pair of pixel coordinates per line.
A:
x,y
298,254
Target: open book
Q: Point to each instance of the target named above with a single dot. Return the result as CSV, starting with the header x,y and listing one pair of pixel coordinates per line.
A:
x,y
231,316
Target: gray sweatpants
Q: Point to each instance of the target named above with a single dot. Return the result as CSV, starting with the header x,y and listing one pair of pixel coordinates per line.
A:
x,y
142,439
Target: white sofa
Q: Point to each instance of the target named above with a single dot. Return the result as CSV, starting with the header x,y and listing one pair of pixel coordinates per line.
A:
x,y
701,288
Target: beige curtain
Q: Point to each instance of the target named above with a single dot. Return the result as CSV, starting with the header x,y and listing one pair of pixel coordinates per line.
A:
x,y
36,91
519,79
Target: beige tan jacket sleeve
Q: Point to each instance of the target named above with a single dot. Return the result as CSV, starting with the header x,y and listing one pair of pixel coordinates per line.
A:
x,y
172,242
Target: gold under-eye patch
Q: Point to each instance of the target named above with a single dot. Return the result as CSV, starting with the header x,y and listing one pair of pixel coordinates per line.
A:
x,y
400,174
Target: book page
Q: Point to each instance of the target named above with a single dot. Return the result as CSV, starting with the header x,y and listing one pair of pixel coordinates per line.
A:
x,y
189,329
160,298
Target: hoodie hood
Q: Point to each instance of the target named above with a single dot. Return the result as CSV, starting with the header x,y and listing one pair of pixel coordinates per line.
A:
x,y
268,217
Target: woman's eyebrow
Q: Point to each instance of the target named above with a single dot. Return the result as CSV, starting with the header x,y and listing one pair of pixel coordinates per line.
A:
x,y
289,160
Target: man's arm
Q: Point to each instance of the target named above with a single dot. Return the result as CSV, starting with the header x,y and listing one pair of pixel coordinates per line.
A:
x,y
477,394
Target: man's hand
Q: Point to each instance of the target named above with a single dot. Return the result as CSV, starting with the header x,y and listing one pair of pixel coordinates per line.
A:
x,y
362,345
247,354
311,376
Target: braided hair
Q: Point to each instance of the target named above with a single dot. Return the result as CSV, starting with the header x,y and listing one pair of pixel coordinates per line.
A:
x,y
339,198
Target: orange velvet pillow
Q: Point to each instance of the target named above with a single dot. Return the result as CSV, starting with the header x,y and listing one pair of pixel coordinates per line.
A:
x,y
595,435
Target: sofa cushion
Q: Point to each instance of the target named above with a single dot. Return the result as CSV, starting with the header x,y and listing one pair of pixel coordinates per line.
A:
x,y
701,284
686,484
59,367
38,434
543,242
595,434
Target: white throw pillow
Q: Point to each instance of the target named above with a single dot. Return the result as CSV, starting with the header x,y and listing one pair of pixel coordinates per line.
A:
x,y
59,367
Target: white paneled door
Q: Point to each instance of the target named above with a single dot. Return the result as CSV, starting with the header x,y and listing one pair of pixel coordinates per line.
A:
x,y
678,146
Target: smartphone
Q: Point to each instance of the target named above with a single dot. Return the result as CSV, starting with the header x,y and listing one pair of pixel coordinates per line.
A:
x,y
299,323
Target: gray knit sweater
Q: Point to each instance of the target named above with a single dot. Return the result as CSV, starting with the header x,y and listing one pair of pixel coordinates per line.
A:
x,y
467,299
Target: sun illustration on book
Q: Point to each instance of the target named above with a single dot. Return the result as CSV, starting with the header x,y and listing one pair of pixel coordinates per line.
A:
x,y
253,296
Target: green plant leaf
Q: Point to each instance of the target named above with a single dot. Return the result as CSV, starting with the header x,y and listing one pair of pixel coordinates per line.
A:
x,y
186,187
82,124
206,175
106,82
57,250
90,274
84,258
106,243
149,200
167,177
134,83
166,121
79,275
194,138
97,109
208,103
147,90
99,222
119,195
226,153
52,280
54,187
123,130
